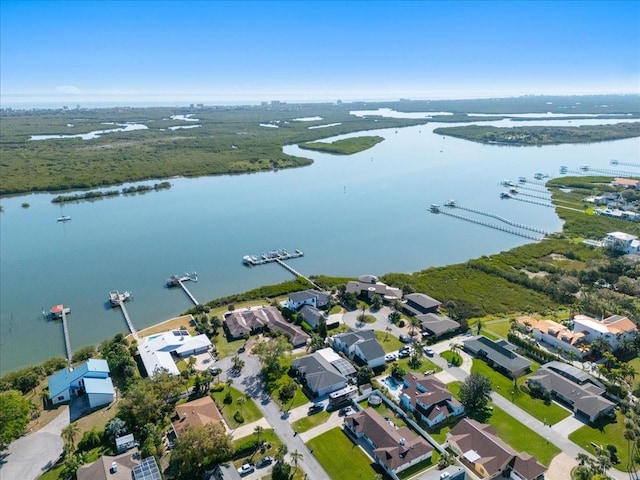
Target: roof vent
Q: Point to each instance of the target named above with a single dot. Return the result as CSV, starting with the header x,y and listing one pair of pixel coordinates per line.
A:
x,y
402,441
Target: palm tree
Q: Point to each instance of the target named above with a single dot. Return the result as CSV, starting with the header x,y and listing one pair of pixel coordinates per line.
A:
x,y
629,436
295,457
238,363
414,323
258,431
456,348
582,458
69,434
363,306
229,382
281,452
479,324
240,402
192,363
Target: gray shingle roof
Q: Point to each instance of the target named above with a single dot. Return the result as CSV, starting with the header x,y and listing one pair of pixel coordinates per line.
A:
x,y
317,371
437,325
501,353
371,349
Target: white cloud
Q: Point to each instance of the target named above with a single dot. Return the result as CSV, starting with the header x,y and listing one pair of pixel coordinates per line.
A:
x,y
68,89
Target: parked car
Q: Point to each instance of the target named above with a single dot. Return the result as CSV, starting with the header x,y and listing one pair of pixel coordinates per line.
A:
x,y
390,357
263,462
429,352
215,371
241,349
315,408
405,338
246,469
403,353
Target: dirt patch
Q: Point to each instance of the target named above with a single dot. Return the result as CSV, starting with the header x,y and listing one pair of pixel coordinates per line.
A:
x,y
534,274
554,257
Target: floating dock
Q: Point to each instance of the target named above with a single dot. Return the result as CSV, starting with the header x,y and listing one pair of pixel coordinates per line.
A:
x,y
178,281
270,257
60,311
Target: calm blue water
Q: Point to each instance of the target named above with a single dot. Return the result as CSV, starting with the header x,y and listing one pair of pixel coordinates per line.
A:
x,y
365,213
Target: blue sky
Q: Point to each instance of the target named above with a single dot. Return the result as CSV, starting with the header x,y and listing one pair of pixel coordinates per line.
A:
x,y
206,51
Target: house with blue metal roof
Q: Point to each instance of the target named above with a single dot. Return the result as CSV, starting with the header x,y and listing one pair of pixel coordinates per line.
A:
x,y
90,378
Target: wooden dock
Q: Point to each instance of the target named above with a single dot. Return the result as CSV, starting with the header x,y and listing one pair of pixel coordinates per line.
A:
x,y
127,319
453,204
270,257
627,164
65,329
295,272
189,294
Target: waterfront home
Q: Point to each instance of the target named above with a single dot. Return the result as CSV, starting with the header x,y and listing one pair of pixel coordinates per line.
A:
x,y
557,335
626,183
312,316
419,303
368,285
428,399
622,242
195,413
482,450
394,449
436,325
159,352
322,372
361,346
573,387
251,321
90,378
615,329
500,355
127,466
314,298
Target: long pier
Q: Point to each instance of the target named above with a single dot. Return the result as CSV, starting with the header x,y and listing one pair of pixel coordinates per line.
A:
x,y
523,186
451,204
514,191
186,290
127,319
626,164
487,224
586,170
295,272
65,329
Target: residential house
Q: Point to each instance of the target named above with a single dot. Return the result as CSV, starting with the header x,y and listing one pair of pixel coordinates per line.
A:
x,y
557,335
126,466
437,326
622,242
158,352
428,399
361,346
573,387
368,285
196,413
225,471
254,320
615,329
626,183
313,298
500,355
482,450
419,303
318,375
90,378
312,315
394,449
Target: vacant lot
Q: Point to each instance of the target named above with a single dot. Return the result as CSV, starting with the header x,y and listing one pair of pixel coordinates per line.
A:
x,y
338,455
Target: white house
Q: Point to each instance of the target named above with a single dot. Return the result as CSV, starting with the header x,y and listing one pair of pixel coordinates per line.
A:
x,y
615,329
90,378
623,242
313,298
157,351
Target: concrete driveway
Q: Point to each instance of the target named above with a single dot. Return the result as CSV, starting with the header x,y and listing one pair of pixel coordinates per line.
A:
x,y
31,455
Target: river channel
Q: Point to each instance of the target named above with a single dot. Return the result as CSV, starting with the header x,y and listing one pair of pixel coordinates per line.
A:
x,y
351,215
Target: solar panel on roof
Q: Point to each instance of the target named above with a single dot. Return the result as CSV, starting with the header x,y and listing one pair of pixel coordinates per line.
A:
x,y
147,470
344,366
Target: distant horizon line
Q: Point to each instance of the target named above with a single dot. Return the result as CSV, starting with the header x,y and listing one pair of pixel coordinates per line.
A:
x,y
72,104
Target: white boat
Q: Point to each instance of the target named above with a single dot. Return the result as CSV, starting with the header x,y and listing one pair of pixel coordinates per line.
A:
x,y
115,297
64,218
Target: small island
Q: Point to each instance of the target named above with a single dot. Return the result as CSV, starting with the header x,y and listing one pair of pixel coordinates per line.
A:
x,y
345,146
538,136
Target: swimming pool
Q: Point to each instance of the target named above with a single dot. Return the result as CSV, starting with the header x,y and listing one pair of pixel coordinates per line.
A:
x,y
392,383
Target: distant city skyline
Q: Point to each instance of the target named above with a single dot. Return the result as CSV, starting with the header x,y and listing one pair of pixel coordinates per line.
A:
x,y
148,52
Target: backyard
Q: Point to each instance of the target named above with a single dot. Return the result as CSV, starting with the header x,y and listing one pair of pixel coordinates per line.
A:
x,y
338,454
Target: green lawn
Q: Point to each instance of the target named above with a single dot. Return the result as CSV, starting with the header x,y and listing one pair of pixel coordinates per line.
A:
x,y
310,421
247,447
338,455
635,363
604,434
550,414
250,410
425,364
521,437
499,327
385,411
224,347
388,341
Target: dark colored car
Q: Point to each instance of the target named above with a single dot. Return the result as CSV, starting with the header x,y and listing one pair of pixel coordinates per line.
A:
x,y
263,462
215,371
315,408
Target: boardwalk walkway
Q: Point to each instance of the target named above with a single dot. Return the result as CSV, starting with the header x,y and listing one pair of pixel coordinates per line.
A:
x,y
65,329
295,272
128,320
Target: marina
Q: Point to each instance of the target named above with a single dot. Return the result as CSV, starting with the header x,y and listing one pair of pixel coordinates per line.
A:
x,y
178,281
272,256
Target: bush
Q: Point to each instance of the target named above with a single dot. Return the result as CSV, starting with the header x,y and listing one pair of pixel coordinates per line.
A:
x,y
238,417
228,399
401,323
